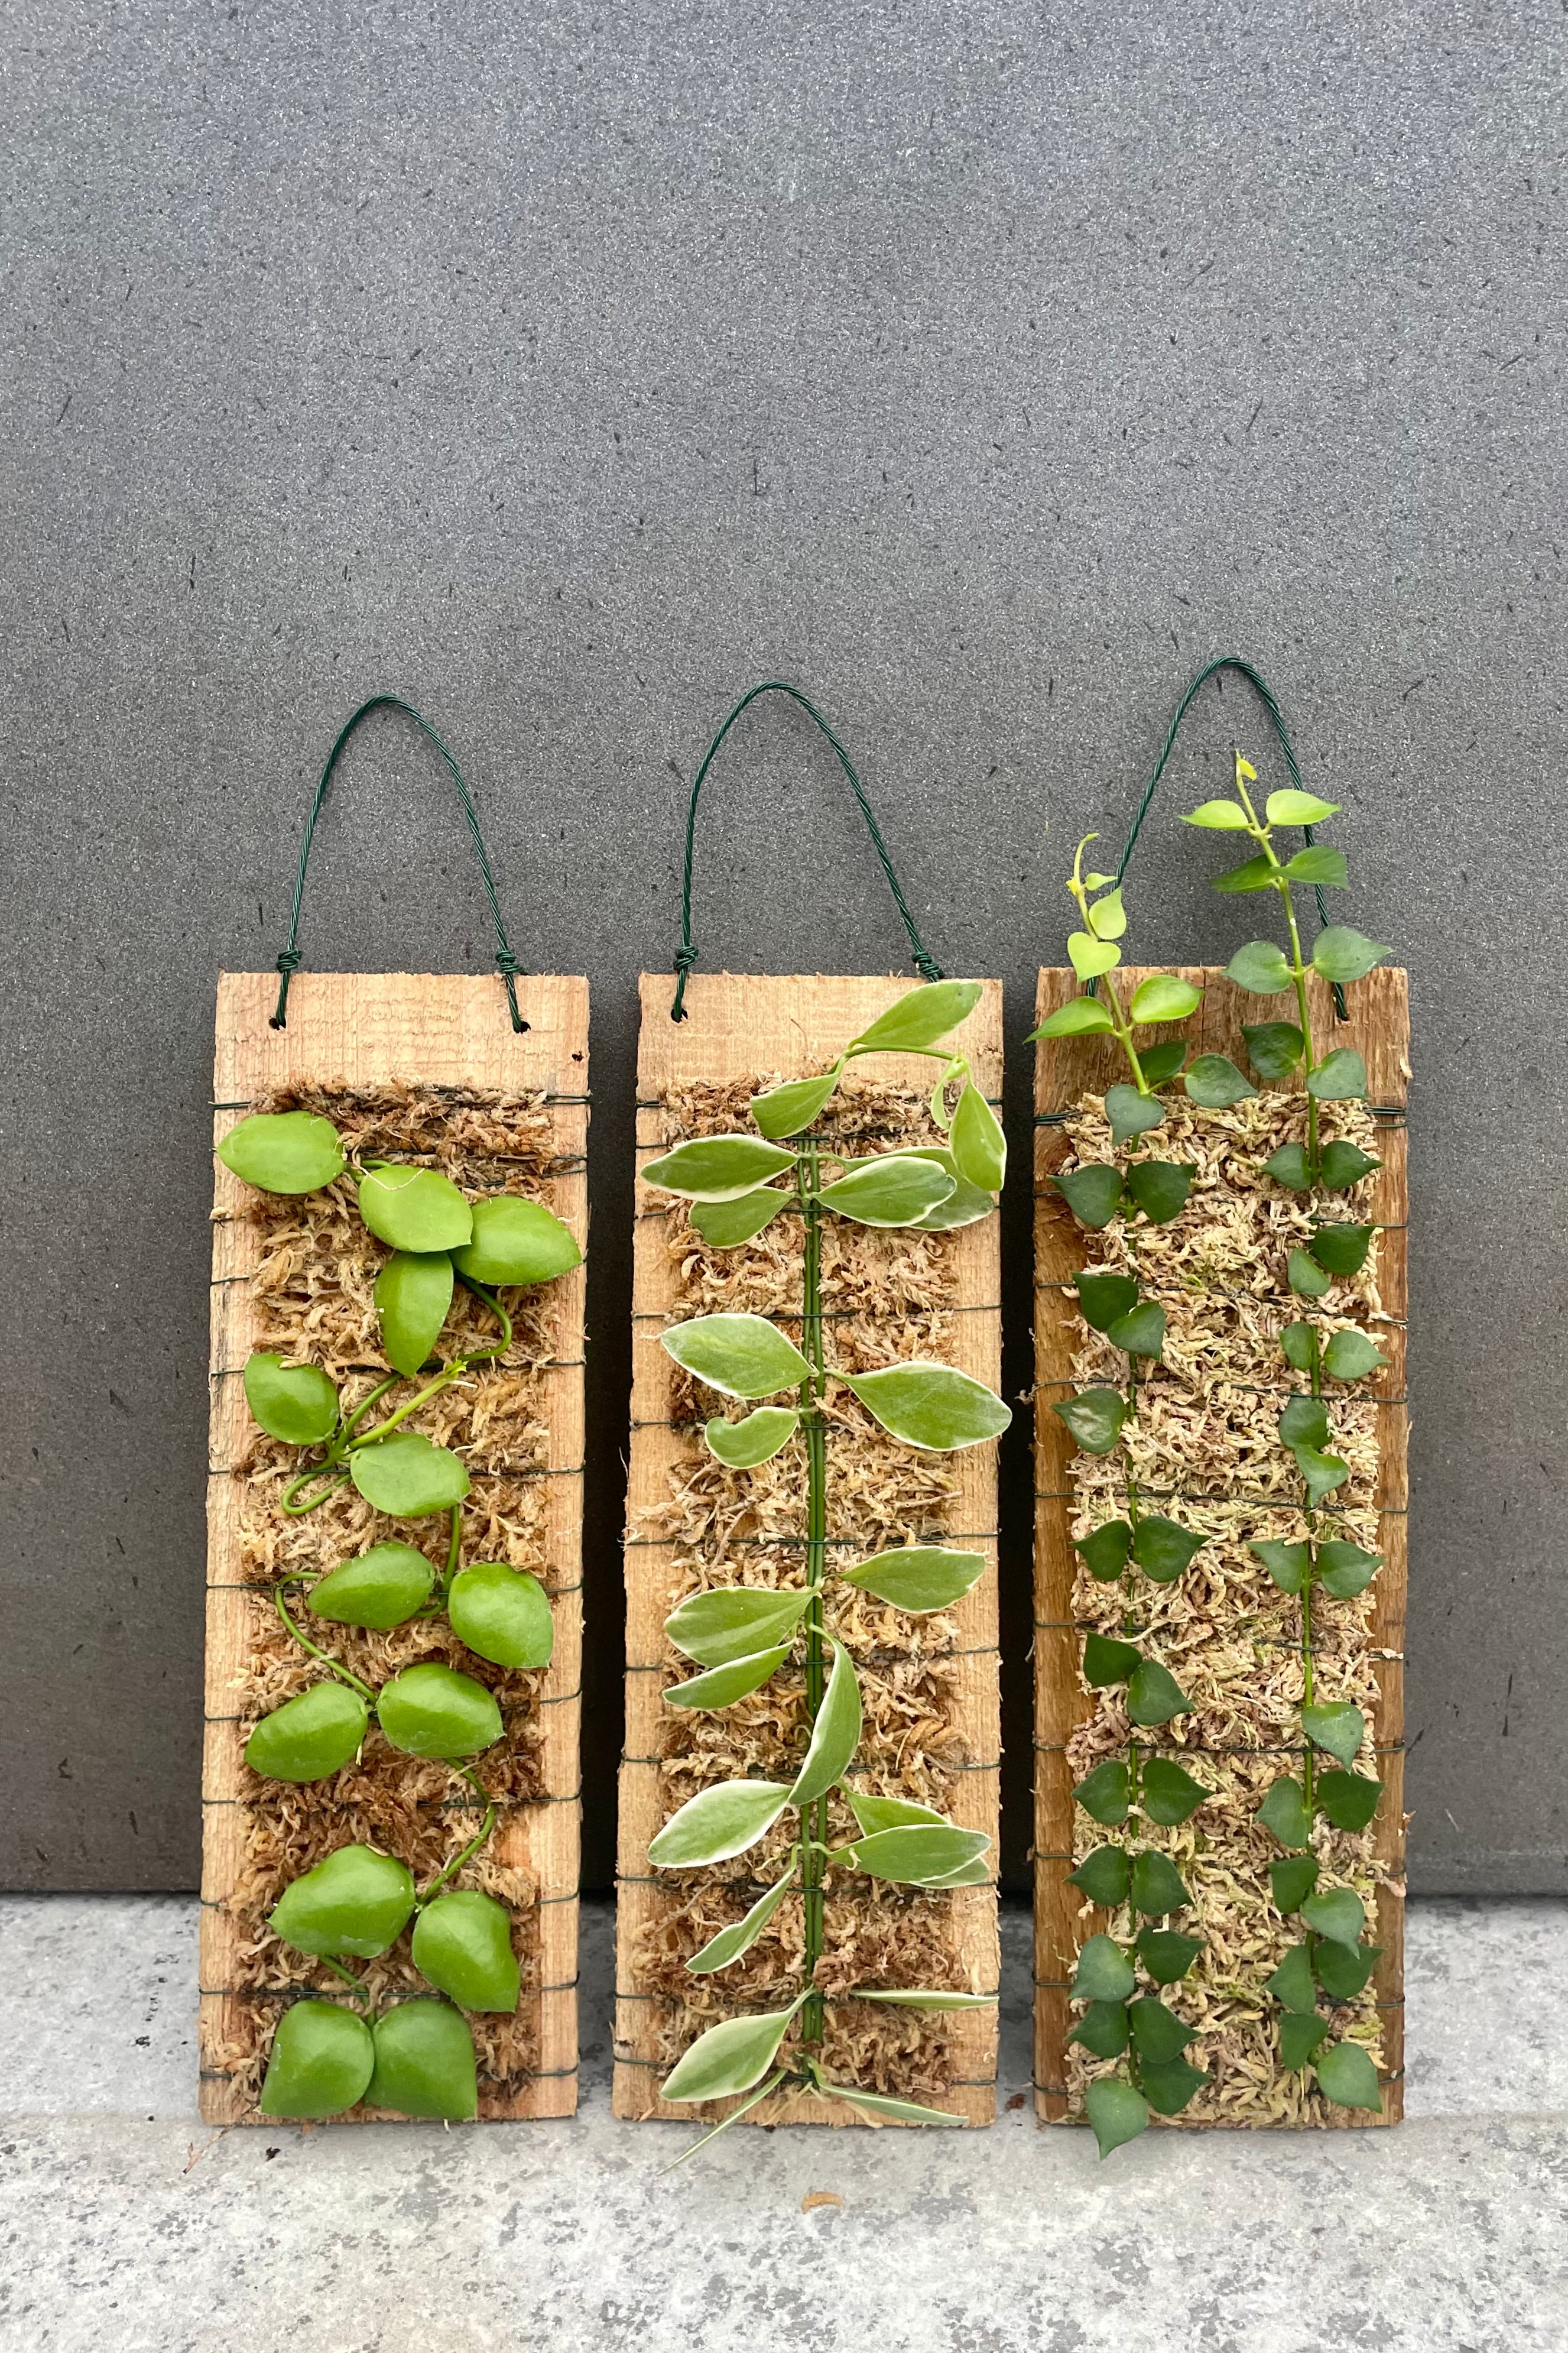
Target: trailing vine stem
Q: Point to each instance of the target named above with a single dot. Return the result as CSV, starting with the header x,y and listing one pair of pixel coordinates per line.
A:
x,y
813,1836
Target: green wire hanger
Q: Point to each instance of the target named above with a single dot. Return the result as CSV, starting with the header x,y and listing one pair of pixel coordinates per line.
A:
x,y
1265,695
289,958
686,955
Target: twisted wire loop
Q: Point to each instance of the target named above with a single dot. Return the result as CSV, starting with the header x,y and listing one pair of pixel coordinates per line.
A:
x,y
290,958
1265,695
686,956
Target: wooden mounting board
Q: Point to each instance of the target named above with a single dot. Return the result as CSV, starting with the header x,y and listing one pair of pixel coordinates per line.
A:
x,y
735,1027
1065,1071
433,1030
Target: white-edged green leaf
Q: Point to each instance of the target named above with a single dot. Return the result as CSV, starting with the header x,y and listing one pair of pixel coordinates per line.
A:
x,y
890,1813
916,1855
790,1109
835,1735
928,1998
1080,1017
756,1438
739,1355
729,2057
723,1687
976,1874
717,1823
1091,957
1299,808
718,1167
724,1225
1163,997
894,1189
920,1018
733,1621
1218,816
741,1935
919,1577
978,1145
877,2105
931,1406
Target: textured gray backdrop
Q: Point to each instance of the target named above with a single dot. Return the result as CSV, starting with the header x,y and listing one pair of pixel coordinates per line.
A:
x,y
984,368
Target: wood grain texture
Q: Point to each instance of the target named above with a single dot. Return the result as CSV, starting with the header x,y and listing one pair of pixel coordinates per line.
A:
x,y
430,1030
737,1027
1065,1071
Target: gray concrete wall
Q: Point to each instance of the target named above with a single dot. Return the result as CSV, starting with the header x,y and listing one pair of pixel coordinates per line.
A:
x,y
982,368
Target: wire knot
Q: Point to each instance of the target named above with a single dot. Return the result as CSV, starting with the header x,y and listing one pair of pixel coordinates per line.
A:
x,y
289,960
926,967
508,964
685,958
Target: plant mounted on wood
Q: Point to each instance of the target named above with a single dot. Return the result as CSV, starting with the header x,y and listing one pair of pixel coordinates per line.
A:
x,y
739,1637
416,2057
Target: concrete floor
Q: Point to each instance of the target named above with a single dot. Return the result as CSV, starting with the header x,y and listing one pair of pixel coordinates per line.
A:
x,y
130,2228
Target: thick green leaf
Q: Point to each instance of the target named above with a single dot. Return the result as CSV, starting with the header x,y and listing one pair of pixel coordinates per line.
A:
x,y
1095,1418
283,1152
414,1209
878,2103
1322,1473
1260,968
1103,1296
1104,1793
920,1018
741,1935
717,1823
1297,1342
1346,2076
1166,1955
1163,997
916,1855
894,1190
1104,1877
297,1403
1300,2032
1338,1914
1153,1695
1169,2085
724,1225
1294,807
1161,1060
425,2063
1117,2114
931,1406
1344,1570
1253,874
1092,1194
1350,1356
1108,917
977,1142
1141,1332
1292,1879
1284,1811
1340,954
1304,1422
835,1735
890,1813
1105,1550
1163,1548
718,1167
1104,1973
1339,1728
432,1710
1170,1792
733,1621
1103,2029
321,2060
502,1614
1289,1565
1159,2035
380,1588
1216,1083
462,1945
1158,1887
756,1438
1293,1984
1273,1048
738,1355
309,1736
406,1476
1160,1187
1131,1113
1290,1167
1324,867
919,1577
1342,1970
1219,816
1341,1248
515,1242
791,1109
723,1687
1080,1017
1106,1661
353,1905
1349,1799
1305,1276
1340,1076
729,2057
413,1293
1345,1164
1091,958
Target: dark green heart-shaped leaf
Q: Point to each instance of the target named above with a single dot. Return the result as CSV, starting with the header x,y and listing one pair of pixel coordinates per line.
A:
x,y
1306,1277
1106,1661
738,1355
1104,1877
1153,1696
1350,1356
1342,1970
916,1856
1344,1570
321,2060
1338,1914
1105,1549
1163,1548
1103,2029
1340,1076
1117,2114
1141,1332
755,1438
1322,1473
1259,968
406,1476
741,1935
1340,954
918,1019
1289,1167
1344,1165
1341,1248
1284,1811
1158,1887
1339,1728
309,1736
1320,865
1304,1422
1289,1565
1163,997
1166,1955
724,1225
977,1142
1346,2076
516,1241
432,1710
1273,1048
356,1902
1297,1342
1131,1114
414,1209
502,1614
1104,1973
383,1587
1080,1017
1292,1879
1159,2035
894,1190
283,1152
1293,1984
1349,1799
413,1293
717,1823
1160,1187
1162,1061
1103,1296
919,1577
789,1110
1104,1794
1169,2085
296,1403
1170,1792
1095,1418
462,1945
1253,874
734,1622
1214,1082
1300,2032
1092,1194
424,2063
931,1406
718,1167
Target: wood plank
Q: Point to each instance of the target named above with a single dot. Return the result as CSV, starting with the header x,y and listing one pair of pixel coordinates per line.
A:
x,y
739,1028
1066,1071
436,1030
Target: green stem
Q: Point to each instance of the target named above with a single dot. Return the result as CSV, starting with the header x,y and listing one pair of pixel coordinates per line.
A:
x,y
305,1643
349,1979
814,1819
1260,834
492,1301
492,1814
454,1549
1124,1029
1316,1372
331,1479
